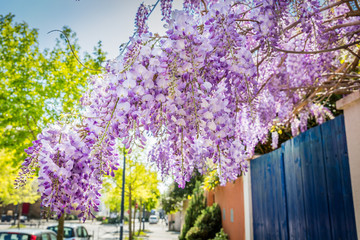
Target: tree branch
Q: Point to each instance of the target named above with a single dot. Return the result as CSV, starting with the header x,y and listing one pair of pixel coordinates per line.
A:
x,y
320,10
342,25
340,74
247,20
316,52
353,53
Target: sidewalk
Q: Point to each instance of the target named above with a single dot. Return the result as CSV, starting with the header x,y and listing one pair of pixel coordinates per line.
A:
x,y
34,223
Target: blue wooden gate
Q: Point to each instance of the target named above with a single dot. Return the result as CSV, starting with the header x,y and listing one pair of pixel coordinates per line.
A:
x,y
303,190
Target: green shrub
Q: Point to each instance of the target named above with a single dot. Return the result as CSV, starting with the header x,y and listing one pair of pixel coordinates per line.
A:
x,y
206,225
114,220
111,220
196,205
106,221
16,226
194,234
71,217
221,235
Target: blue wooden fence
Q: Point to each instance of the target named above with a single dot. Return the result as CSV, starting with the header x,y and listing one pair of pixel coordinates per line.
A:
x,y
303,189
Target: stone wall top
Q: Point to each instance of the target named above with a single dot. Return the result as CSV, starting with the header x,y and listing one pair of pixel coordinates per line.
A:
x,y
346,101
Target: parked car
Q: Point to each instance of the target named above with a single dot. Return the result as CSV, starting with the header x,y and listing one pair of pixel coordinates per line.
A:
x,y
27,234
5,218
72,232
23,218
153,219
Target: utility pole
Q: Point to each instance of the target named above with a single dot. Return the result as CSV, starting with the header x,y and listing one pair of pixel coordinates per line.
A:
x,y
122,200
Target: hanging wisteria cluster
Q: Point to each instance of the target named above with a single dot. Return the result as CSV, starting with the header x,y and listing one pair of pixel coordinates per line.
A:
x,y
211,89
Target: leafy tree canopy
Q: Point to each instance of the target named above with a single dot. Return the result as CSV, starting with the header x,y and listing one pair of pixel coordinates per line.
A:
x,y
8,174
141,184
171,200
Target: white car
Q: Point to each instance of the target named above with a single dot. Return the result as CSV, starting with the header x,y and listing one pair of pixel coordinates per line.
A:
x,y
27,234
153,219
73,232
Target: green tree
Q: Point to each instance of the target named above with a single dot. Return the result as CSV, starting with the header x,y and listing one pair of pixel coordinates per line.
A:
x,y
35,85
10,195
196,205
172,199
141,186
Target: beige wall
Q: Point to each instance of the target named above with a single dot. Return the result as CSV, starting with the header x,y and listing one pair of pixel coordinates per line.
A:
x,y
351,106
248,205
174,221
183,212
177,224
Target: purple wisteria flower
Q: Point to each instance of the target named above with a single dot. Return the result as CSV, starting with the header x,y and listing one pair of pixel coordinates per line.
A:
x,y
210,90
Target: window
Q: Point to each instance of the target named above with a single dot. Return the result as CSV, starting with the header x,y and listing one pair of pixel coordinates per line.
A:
x,y
85,233
44,236
231,215
79,232
52,236
53,228
13,236
223,213
68,232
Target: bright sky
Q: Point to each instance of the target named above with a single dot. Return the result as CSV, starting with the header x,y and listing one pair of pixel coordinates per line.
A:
x,y
111,21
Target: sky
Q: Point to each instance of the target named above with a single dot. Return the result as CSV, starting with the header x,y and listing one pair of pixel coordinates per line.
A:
x,y
111,21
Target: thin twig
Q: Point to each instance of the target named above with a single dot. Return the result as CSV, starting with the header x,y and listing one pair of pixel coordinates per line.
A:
x,y
127,44
247,20
72,50
353,53
203,2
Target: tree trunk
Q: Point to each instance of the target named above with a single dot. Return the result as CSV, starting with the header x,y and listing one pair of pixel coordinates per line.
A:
x,y
19,214
134,220
140,217
48,213
130,232
60,232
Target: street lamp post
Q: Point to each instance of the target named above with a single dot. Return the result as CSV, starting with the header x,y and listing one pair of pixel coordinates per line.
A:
x,y
143,219
122,201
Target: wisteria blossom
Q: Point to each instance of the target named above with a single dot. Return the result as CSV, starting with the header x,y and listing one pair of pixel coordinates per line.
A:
x,y
211,89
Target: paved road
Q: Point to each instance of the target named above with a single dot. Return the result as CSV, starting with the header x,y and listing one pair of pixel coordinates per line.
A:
x,y
159,232
111,231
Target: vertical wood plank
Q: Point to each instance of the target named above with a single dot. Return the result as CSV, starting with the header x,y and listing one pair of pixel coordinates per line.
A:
x,y
294,189
268,197
303,190
314,185
337,170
